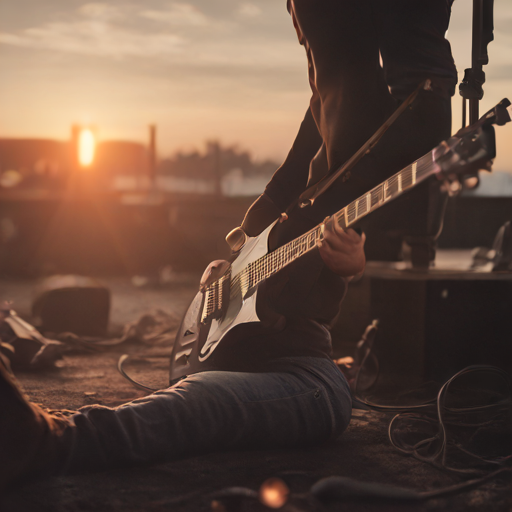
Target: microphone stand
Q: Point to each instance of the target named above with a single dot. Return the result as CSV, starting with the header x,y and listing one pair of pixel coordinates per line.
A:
x,y
471,87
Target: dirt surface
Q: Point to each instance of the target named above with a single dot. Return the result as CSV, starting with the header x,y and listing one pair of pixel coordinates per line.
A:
x,y
363,452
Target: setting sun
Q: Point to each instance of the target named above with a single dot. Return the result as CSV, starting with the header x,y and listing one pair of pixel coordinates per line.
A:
x,y
86,147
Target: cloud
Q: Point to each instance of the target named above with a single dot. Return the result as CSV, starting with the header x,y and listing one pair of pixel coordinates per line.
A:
x,y
249,11
94,37
99,11
178,33
178,14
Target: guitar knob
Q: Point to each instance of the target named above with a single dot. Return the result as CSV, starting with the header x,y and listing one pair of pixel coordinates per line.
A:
x,y
236,239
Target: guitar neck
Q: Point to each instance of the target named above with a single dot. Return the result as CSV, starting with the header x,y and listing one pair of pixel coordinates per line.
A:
x,y
386,191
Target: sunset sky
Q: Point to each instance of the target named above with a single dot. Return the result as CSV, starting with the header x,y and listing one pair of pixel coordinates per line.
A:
x,y
198,69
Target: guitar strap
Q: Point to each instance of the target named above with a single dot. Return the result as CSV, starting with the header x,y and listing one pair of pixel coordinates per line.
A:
x,y
268,211
309,196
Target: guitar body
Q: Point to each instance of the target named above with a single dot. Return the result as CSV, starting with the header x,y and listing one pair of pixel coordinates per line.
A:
x,y
196,347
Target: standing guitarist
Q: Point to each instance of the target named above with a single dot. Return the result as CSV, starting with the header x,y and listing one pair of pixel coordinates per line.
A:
x,y
353,95
291,393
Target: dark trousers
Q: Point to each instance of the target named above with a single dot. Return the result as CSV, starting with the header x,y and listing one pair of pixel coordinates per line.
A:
x,y
296,401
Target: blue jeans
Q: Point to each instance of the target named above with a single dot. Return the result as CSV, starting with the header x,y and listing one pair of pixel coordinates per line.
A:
x,y
296,401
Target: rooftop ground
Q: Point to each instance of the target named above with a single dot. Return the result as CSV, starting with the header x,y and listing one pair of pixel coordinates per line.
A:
x,y
363,452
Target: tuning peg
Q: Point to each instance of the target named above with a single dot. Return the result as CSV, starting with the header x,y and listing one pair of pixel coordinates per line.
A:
x,y
487,166
451,187
471,182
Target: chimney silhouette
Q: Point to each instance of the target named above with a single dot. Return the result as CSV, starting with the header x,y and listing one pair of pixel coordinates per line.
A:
x,y
152,152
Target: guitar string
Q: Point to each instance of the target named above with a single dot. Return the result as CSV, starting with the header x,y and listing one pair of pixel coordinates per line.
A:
x,y
355,210
270,263
266,266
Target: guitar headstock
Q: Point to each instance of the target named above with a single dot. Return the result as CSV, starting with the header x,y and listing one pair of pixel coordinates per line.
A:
x,y
470,150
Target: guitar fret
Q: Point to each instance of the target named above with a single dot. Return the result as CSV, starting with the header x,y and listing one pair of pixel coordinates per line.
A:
x,y
390,188
351,212
377,196
407,179
361,207
342,221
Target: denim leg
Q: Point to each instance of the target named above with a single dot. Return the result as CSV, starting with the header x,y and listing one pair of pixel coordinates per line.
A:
x,y
298,401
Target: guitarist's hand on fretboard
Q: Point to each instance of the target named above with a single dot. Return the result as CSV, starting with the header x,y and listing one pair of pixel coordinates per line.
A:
x,y
342,251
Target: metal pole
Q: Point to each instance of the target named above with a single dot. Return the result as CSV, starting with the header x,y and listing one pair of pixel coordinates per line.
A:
x,y
152,153
471,87
475,55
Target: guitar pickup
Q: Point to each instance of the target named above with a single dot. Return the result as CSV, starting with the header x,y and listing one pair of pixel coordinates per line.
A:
x,y
216,298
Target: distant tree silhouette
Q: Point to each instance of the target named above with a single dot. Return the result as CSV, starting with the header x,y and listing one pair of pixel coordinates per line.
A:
x,y
214,159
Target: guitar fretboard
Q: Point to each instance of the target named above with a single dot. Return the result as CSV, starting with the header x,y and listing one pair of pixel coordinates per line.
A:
x,y
269,264
262,268
400,182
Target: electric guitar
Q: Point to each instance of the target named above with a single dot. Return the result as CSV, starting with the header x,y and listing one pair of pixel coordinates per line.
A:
x,y
226,305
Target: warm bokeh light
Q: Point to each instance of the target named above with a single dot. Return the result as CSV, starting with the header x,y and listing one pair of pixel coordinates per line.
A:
x,y
86,148
274,493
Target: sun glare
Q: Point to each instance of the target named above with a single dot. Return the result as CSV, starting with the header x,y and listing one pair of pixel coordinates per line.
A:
x,y
86,147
